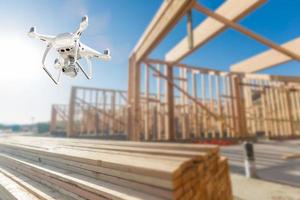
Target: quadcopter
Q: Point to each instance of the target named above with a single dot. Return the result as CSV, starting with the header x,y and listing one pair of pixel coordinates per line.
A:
x,y
70,50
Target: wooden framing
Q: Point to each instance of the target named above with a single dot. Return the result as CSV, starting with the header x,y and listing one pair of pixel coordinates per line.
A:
x,y
172,101
165,19
91,112
246,32
209,28
267,59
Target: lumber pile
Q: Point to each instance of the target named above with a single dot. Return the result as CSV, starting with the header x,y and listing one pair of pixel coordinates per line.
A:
x,y
93,169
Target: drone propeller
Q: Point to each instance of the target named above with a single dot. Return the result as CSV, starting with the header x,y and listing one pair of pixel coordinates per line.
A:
x,y
83,25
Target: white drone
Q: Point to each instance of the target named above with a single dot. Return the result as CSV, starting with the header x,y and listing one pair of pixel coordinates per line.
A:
x,y
70,50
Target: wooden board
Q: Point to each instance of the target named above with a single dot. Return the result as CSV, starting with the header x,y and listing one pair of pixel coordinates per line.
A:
x,y
167,16
93,170
209,28
267,59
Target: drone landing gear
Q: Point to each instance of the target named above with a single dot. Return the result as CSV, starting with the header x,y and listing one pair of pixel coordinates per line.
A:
x,y
89,75
56,81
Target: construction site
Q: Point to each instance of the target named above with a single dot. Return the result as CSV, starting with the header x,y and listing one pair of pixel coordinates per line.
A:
x,y
180,131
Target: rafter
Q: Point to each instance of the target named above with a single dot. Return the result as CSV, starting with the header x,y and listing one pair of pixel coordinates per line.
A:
x,y
267,59
166,18
209,28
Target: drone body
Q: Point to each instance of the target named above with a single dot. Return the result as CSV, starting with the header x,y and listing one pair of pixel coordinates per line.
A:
x,y
70,50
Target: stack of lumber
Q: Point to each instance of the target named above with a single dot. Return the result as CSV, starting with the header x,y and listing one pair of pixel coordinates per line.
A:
x,y
93,169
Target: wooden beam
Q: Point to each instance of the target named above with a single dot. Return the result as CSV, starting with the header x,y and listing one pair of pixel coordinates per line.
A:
x,y
133,100
53,119
147,118
267,59
169,98
165,19
294,79
209,28
246,32
70,129
290,79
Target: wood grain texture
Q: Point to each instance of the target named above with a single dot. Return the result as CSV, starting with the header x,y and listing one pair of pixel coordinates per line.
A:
x,y
267,59
93,169
209,28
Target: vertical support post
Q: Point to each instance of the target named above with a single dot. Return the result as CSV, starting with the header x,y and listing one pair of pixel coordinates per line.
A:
x,y
283,111
133,99
158,89
184,102
53,119
204,114
169,117
212,122
240,107
195,107
264,106
248,105
273,113
70,130
113,112
228,101
280,120
190,29
147,112
220,107
104,117
290,112
97,114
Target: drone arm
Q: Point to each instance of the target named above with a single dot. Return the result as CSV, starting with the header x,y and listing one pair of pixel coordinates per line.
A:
x,y
76,50
102,56
83,25
89,75
45,69
33,34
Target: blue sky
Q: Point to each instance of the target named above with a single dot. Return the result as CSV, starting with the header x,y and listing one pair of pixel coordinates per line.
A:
x,y
27,92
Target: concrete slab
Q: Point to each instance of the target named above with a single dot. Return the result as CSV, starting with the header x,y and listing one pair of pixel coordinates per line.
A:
x,y
269,161
252,189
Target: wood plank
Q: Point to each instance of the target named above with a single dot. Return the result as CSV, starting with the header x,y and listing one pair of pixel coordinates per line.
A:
x,y
267,59
164,20
169,99
210,28
12,190
93,170
41,192
246,31
85,187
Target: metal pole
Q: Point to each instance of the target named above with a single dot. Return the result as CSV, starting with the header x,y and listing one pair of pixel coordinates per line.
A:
x,y
250,168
